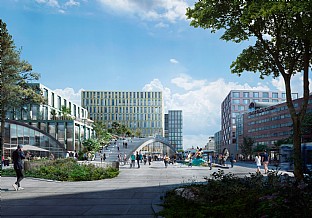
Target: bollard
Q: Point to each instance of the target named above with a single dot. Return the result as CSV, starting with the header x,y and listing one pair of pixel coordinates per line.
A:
x,y
26,166
115,165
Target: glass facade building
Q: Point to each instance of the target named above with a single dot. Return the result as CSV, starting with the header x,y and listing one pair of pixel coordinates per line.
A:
x,y
173,128
20,133
140,111
69,129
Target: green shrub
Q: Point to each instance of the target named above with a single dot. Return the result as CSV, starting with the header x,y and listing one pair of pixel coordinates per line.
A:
x,y
66,170
225,195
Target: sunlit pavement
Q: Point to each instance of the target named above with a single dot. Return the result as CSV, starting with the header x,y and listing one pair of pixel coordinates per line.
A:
x,y
134,193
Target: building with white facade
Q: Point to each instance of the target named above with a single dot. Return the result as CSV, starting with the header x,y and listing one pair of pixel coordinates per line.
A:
x,y
69,129
140,111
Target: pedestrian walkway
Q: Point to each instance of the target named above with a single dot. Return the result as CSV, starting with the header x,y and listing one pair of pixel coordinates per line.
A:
x,y
134,193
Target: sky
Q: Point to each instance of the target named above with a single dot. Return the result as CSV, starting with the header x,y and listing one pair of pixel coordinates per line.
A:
x,y
133,45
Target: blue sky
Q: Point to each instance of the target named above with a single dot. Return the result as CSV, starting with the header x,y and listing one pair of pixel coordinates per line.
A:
x,y
132,45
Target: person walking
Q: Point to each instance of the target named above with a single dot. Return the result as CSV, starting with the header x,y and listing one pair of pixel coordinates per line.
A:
x,y
132,164
258,162
265,161
232,160
18,156
149,158
210,161
166,160
138,159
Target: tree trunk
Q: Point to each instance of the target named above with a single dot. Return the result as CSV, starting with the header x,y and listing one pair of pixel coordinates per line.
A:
x,y
298,166
2,131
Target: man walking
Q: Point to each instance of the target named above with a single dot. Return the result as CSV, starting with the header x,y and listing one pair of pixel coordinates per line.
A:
x,y
265,160
18,156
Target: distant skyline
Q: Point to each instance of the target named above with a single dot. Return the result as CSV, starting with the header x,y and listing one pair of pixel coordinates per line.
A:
x,y
133,45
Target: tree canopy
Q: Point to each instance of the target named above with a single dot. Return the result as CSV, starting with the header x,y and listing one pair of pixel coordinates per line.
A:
x,y
15,74
282,35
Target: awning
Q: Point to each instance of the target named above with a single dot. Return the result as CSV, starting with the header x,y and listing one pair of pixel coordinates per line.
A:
x,y
29,148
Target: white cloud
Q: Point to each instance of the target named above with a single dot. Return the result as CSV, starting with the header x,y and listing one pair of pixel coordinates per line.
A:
x,y
70,94
187,83
296,84
171,11
71,3
173,61
51,3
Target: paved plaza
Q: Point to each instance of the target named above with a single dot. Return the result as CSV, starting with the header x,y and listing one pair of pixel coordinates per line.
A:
x,y
134,193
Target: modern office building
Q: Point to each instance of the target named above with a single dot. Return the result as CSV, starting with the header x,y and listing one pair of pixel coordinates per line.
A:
x,y
60,118
173,128
268,124
140,111
218,140
236,103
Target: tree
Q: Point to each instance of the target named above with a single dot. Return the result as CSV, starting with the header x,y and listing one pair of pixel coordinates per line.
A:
x,y
15,91
66,112
91,145
246,147
282,35
101,132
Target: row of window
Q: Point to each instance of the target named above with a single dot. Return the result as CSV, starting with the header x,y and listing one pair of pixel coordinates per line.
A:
x,y
121,102
257,95
269,119
125,117
75,110
93,94
276,126
247,101
126,110
274,134
270,111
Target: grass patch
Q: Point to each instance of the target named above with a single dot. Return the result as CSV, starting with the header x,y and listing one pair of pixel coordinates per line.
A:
x,y
65,170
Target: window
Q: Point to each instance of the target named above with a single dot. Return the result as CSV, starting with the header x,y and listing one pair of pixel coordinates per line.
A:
x,y
256,94
274,95
241,107
236,101
265,100
265,95
246,101
246,94
235,94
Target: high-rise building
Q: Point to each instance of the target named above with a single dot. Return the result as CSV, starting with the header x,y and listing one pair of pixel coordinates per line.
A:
x,y
142,112
173,128
237,103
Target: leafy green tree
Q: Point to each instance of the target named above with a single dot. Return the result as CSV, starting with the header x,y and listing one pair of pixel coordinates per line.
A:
x,y
101,132
91,145
66,112
246,147
282,36
15,74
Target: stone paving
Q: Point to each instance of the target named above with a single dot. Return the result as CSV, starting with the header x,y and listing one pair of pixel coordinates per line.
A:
x,y
134,193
